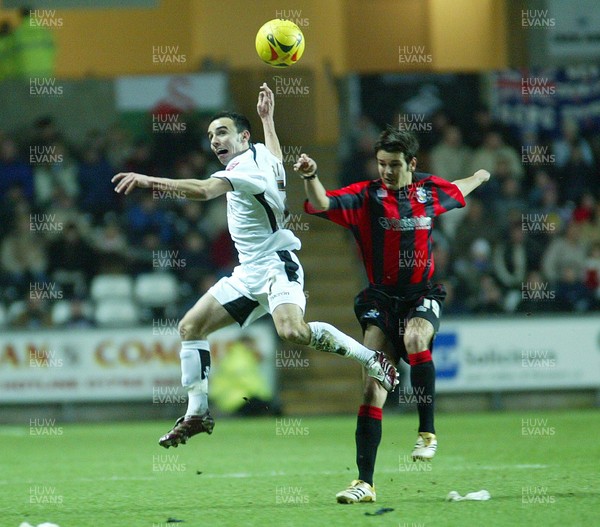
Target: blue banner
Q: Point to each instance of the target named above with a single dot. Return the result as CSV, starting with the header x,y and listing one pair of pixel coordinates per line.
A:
x,y
541,100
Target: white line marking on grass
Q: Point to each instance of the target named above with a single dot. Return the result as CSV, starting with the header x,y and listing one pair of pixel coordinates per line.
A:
x,y
272,474
505,467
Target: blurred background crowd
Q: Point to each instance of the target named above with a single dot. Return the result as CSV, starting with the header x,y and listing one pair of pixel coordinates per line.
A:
x,y
62,225
529,240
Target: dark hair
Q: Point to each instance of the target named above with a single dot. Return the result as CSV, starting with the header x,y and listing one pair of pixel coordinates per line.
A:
x,y
394,140
241,121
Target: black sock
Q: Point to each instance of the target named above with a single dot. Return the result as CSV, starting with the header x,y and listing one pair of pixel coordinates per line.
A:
x,y
422,378
368,437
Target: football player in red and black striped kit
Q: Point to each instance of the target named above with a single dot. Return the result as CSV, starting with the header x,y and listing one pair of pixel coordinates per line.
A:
x,y
391,219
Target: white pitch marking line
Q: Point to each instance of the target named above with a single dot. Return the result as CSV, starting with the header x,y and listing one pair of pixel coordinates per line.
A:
x,y
243,475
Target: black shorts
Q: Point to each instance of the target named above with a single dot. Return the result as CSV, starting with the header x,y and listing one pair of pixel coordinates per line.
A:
x,y
392,313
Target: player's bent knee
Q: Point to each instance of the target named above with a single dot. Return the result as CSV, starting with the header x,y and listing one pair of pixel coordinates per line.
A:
x,y
292,332
191,328
185,328
413,342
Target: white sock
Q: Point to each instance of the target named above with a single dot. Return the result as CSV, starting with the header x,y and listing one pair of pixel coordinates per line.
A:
x,y
338,342
192,376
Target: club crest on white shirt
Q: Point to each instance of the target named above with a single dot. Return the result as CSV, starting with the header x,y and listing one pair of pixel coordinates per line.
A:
x,y
232,165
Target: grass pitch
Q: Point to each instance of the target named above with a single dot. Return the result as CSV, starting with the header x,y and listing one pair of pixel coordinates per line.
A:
x,y
541,468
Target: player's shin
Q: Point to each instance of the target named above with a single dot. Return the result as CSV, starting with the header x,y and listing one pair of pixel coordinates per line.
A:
x,y
324,337
368,437
422,378
195,366
327,338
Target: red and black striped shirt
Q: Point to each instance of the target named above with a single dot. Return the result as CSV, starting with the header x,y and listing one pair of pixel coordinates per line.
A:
x,y
393,227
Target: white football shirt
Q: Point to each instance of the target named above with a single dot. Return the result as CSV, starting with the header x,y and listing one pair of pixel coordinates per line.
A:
x,y
256,212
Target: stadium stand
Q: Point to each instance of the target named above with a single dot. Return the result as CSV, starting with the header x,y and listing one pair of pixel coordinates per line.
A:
x,y
64,226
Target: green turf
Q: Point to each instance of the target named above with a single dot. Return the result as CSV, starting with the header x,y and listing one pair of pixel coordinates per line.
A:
x,y
106,475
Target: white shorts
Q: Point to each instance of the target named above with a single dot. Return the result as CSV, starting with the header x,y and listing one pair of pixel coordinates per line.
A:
x,y
257,288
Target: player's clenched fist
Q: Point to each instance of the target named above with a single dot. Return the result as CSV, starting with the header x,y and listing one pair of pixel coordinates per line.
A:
x,y
305,165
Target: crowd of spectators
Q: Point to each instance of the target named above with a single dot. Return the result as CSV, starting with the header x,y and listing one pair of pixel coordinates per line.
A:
x,y
529,239
62,225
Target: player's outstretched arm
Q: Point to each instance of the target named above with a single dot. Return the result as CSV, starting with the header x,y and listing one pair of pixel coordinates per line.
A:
x,y
469,184
315,191
189,188
266,109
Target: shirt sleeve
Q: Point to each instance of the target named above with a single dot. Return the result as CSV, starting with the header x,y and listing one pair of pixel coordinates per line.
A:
x,y
345,205
244,181
445,195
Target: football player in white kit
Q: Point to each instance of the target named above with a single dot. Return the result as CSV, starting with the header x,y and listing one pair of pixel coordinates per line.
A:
x,y
269,277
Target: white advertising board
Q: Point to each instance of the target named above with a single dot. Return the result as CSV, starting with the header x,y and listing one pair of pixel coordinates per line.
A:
x,y
571,27
108,365
194,92
518,354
